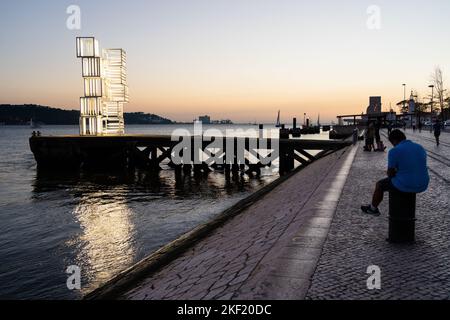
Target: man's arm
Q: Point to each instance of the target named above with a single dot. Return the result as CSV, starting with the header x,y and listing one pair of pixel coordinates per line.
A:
x,y
392,164
391,172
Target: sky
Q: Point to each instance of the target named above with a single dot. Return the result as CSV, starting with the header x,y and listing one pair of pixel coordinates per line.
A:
x,y
231,59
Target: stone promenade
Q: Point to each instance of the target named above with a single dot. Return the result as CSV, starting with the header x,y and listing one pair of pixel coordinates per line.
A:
x,y
356,241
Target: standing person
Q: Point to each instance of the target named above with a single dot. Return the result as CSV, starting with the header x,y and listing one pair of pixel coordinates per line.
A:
x,y
380,146
389,128
407,171
377,127
370,134
420,126
437,131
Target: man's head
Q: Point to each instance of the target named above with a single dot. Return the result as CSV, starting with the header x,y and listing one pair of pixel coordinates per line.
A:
x,y
396,137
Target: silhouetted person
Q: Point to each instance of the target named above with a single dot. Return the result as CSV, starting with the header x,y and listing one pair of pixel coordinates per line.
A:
x,y
380,145
370,135
377,127
437,131
407,171
389,127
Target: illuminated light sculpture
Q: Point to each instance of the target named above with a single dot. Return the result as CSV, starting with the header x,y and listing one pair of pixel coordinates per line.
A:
x,y
105,88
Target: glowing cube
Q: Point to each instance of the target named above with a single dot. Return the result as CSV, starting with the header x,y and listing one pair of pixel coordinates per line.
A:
x,y
91,67
93,87
87,47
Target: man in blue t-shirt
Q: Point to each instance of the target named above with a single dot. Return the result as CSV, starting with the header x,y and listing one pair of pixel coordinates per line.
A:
x,y
407,170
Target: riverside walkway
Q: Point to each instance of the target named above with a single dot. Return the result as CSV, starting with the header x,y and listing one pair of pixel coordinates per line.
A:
x,y
307,239
356,241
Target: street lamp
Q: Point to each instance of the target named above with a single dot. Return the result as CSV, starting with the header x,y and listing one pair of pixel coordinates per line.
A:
x,y
404,96
431,111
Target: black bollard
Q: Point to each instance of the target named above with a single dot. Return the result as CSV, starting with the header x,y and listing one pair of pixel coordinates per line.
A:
x,y
402,217
296,132
284,133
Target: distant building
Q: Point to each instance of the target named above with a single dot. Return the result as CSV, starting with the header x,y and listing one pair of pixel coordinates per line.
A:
x,y
374,105
411,104
204,119
224,121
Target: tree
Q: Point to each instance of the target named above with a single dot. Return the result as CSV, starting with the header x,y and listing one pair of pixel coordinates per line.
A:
x,y
420,106
438,81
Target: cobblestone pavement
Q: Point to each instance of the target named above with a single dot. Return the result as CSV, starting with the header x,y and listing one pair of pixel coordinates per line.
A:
x,y
356,241
221,264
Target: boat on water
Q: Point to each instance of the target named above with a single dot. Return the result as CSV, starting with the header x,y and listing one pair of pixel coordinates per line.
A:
x,y
34,125
278,124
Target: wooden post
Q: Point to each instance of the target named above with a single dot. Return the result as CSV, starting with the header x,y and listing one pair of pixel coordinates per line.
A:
x,y
227,172
187,168
154,159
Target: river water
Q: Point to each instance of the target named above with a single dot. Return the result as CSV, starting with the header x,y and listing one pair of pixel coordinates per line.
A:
x,y
99,222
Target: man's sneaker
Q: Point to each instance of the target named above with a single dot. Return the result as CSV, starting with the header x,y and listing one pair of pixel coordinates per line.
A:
x,y
368,209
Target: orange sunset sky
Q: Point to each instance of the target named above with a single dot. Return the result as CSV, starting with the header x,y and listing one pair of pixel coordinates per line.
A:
x,y
239,60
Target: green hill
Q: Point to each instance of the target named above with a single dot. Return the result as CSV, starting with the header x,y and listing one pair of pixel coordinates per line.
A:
x,y
22,114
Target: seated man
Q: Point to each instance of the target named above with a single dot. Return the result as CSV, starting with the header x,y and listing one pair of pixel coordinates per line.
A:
x,y
407,170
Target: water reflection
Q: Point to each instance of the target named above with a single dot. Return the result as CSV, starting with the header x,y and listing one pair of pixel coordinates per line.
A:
x,y
106,242
107,222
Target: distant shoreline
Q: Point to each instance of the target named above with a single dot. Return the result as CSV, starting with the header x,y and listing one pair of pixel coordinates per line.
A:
x,y
43,115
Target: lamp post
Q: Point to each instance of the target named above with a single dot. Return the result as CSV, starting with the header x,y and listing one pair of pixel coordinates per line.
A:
x,y
404,96
431,111
304,119
404,102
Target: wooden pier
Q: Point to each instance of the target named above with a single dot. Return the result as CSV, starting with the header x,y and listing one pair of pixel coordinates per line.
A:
x,y
151,151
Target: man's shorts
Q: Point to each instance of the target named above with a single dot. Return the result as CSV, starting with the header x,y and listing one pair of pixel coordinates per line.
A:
x,y
386,185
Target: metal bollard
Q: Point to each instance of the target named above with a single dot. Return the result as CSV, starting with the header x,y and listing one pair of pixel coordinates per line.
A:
x,y
296,132
402,217
284,133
